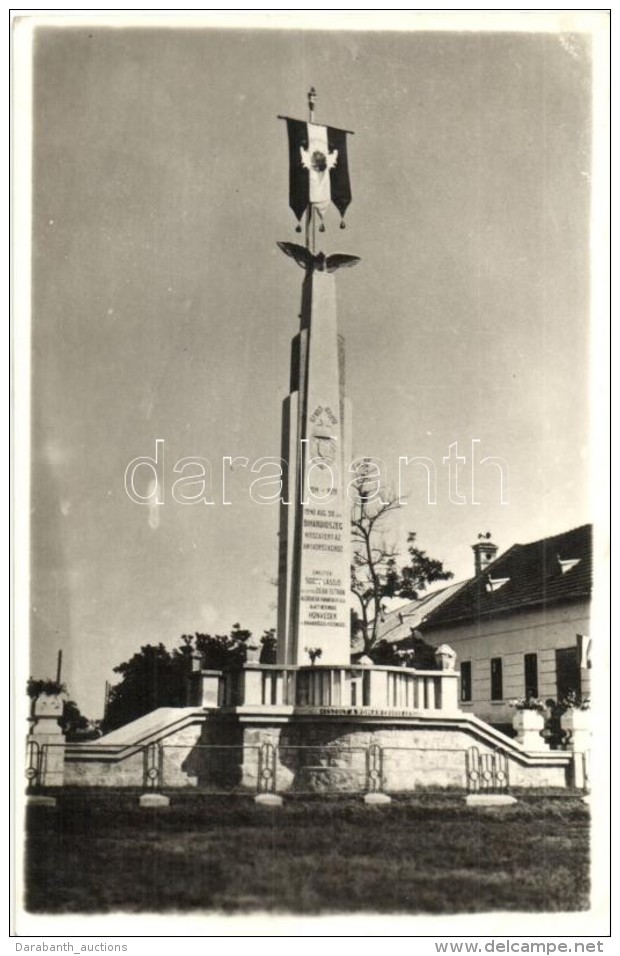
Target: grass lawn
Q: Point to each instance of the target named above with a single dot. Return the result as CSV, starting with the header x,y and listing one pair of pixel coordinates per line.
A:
x,y
99,852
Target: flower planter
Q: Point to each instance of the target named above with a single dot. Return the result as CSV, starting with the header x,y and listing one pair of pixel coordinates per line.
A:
x,y
445,657
529,725
252,653
576,725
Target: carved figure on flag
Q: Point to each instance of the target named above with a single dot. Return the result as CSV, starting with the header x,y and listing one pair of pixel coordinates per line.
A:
x,y
319,162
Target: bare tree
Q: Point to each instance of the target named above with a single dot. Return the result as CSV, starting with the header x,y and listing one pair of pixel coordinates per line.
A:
x,y
375,574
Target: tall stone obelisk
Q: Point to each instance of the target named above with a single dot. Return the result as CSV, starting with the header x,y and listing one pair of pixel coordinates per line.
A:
x,y
315,550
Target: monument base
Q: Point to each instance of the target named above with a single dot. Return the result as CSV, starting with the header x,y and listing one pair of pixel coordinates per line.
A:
x,y
369,754
318,730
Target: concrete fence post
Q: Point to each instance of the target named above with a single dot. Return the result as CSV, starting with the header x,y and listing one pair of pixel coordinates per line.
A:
x,y
374,777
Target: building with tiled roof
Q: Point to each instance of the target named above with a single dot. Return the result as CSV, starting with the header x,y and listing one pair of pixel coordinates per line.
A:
x,y
520,626
397,627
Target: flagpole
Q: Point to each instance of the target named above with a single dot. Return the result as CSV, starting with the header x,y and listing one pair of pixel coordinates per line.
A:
x,y
310,224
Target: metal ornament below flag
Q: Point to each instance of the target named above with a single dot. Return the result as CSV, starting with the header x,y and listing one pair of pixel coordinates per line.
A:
x,y
318,168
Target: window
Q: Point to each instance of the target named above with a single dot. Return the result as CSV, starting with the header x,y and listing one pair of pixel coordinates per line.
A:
x,y
465,681
530,667
497,683
568,675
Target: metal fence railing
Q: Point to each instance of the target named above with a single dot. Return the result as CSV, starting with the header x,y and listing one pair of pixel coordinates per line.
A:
x,y
487,772
33,763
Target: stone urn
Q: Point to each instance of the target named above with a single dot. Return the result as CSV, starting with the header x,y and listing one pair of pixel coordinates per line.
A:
x,y
529,725
252,652
577,726
46,713
197,662
445,657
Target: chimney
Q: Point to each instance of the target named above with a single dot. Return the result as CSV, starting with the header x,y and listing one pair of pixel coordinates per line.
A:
x,y
484,552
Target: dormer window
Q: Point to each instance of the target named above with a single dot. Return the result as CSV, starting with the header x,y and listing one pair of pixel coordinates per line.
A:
x,y
567,564
494,584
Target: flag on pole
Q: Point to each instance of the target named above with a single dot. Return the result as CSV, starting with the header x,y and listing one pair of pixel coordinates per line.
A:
x,y
318,167
584,651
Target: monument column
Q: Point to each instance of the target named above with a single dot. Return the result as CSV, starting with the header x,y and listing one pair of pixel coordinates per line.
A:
x,y
315,552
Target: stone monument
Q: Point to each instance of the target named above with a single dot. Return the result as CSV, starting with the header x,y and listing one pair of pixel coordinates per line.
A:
x,y
313,721
314,558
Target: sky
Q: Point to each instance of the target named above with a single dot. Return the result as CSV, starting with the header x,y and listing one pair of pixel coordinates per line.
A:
x,y
162,308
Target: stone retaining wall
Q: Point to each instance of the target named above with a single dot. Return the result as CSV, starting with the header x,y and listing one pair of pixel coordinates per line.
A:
x,y
227,752
319,757
101,767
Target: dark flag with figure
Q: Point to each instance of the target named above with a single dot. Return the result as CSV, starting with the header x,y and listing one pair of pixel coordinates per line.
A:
x,y
318,167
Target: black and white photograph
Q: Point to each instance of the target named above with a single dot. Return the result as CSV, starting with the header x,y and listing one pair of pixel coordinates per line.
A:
x,y
310,488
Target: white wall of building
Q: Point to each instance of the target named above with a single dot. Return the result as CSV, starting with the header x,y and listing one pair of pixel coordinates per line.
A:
x,y
510,637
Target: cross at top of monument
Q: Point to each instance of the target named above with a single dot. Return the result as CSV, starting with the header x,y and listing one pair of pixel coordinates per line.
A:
x,y
311,102
318,171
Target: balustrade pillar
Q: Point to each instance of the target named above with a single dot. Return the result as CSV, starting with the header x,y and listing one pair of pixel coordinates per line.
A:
x,y
252,686
210,688
449,699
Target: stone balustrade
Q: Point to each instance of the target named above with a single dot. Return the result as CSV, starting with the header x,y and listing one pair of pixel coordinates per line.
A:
x,y
276,686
